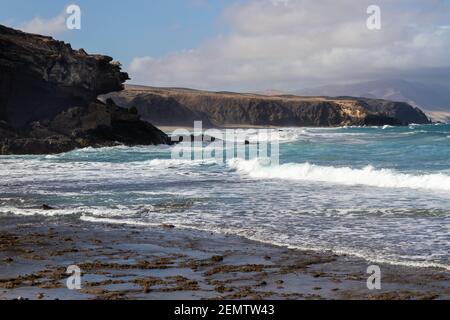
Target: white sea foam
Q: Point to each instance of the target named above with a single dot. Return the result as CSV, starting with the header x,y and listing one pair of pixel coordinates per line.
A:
x,y
118,221
369,176
264,135
135,216
289,135
403,233
366,255
277,240
49,170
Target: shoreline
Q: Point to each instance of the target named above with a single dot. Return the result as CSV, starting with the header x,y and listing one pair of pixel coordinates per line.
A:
x,y
170,129
383,261
137,262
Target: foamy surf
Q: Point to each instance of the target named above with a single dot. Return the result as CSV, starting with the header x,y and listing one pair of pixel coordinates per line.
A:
x,y
262,238
369,176
326,207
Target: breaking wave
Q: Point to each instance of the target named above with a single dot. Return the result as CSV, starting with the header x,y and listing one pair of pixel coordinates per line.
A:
x,y
369,176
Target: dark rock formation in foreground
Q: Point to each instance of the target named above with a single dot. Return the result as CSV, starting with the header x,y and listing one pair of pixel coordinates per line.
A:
x,y
97,125
48,99
180,107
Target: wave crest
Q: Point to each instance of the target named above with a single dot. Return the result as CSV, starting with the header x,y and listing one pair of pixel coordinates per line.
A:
x,y
369,176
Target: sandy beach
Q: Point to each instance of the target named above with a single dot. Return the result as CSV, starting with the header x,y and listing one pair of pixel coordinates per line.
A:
x,y
129,262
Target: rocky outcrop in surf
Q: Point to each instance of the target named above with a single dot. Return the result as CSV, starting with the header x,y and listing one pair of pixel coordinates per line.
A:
x,y
97,125
181,107
48,98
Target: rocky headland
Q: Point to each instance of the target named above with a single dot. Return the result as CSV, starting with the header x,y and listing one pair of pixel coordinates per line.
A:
x,y
181,107
48,99
49,103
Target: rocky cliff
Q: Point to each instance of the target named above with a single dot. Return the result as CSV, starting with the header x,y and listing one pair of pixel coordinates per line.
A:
x,y
181,107
48,98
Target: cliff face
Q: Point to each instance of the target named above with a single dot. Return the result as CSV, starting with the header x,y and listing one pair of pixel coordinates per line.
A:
x,y
41,79
172,107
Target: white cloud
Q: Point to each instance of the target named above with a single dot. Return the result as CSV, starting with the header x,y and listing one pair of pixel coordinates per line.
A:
x,y
307,42
51,27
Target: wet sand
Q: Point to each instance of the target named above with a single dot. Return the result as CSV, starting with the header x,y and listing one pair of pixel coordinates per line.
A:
x,y
128,262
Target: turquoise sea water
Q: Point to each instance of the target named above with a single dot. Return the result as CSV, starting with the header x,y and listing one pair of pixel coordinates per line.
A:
x,y
378,193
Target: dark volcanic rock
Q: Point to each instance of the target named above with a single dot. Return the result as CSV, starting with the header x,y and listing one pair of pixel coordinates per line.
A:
x,y
40,77
98,125
48,99
182,107
6,131
51,145
46,207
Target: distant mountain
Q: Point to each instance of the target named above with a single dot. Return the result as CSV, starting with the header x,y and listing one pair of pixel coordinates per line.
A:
x,y
433,99
271,92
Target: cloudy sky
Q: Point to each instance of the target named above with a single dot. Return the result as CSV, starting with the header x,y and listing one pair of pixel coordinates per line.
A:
x,y
248,45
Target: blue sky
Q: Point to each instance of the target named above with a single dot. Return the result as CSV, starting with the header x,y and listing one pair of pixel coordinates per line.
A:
x,y
126,29
245,45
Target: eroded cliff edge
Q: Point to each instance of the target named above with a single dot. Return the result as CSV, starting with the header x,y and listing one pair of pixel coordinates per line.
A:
x,y
48,98
180,107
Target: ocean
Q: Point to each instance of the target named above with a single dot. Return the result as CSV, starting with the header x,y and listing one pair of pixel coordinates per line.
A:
x,y
380,193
